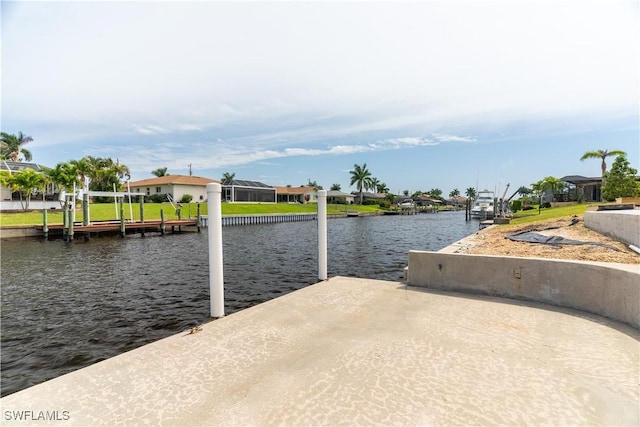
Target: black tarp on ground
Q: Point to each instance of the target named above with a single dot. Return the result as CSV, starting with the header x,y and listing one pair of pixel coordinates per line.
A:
x,y
531,237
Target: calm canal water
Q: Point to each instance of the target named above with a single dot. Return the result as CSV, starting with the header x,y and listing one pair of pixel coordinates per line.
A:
x,y
69,305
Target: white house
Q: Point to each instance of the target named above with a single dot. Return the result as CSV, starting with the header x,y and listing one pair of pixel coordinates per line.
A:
x,y
174,185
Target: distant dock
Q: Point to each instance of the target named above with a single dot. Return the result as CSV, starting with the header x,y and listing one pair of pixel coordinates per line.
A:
x,y
115,227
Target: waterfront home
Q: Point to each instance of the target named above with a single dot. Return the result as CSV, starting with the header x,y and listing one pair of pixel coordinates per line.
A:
x,y
243,191
11,200
370,196
175,186
335,196
303,194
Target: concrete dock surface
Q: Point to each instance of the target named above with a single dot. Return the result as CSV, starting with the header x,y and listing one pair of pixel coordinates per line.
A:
x,y
353,351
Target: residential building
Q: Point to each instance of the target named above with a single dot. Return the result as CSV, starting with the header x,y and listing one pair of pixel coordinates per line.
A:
x,y
174,185
335,196
304,194
248,191
11,200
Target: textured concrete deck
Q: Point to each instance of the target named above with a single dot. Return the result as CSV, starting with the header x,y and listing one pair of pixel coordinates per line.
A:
x,y
364,352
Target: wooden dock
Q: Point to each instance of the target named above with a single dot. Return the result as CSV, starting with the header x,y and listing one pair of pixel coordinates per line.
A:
x,y
117,227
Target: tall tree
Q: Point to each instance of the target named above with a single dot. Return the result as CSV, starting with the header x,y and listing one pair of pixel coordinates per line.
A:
x,y
470,192
373,183
335,187
64,176
547,183
84,171
621,180
314,184
227,178
12,146
361,177
602,154
436,193
25,182
454,193
160,172
382,188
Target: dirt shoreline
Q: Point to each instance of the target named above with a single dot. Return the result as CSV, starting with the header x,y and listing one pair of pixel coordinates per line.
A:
x,y
493,241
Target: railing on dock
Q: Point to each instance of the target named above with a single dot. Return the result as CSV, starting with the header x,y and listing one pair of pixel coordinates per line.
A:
x,y
231,220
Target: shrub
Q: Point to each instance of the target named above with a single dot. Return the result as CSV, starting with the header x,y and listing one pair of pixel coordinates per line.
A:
x,y
516,205
158,198
545,205
186,198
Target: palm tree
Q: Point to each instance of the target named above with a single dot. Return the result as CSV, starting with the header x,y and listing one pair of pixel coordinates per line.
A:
x,y
454,193
361,176
25,181
83,169
382,188
160,172
602,154
121,170
11,146
373,183
335,187
470,193
63,175
227,178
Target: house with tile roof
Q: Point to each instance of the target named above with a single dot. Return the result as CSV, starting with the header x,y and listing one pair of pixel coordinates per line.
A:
x,y
174,185
304,194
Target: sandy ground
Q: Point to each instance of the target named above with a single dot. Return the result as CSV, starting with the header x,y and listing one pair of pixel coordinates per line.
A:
x,y
493,241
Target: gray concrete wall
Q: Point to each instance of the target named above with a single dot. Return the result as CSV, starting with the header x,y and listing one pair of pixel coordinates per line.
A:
x,y
623,225
18,231
607,289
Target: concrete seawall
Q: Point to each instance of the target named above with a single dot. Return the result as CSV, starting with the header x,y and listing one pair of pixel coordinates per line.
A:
x,y
360,352
623,225
607,289
19,231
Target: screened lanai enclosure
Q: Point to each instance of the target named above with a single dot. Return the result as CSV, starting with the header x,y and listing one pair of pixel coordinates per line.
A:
x,y
248,191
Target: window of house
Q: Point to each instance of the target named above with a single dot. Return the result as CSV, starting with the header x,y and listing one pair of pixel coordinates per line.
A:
x,y
148,191
158,189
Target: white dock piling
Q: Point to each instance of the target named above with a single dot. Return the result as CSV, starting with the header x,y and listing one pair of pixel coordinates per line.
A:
x,y
216,276
322,235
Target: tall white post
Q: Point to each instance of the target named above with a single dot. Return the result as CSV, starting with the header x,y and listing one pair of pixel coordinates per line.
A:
x,y
322,234
216,276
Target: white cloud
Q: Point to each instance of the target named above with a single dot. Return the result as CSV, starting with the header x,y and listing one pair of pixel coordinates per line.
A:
x,y
453,138
251,82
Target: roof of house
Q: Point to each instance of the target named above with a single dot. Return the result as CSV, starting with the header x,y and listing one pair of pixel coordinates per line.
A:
x,y
173,179
295,190
368,195
578,179
336,193
244,183
6,165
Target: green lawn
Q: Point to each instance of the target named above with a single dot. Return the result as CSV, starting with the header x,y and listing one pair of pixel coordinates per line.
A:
x,y
107,211
525,217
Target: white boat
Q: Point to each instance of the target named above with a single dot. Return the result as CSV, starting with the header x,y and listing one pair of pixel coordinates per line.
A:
x,y
483,206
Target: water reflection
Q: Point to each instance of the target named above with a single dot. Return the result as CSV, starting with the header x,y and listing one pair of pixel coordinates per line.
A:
x,y
66,306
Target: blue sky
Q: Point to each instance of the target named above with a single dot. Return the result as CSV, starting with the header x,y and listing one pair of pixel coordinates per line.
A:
x,y
429,94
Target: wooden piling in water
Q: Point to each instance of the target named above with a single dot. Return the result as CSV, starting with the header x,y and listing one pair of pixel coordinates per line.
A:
x,y
162,225
198,219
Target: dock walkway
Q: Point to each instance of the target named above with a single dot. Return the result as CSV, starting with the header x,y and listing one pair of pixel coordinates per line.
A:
x,y
362,352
